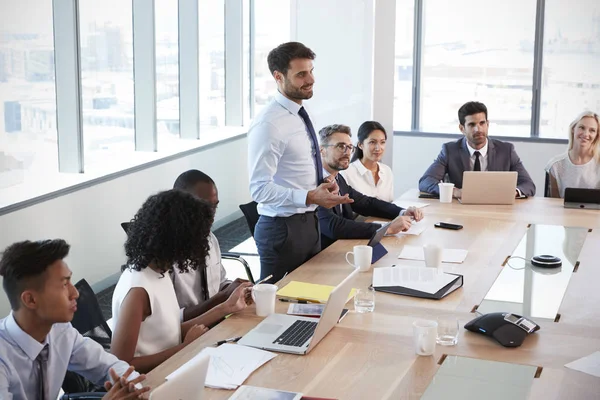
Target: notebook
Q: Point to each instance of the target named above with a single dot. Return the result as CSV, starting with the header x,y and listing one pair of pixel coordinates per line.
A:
x,y
311,310
310,292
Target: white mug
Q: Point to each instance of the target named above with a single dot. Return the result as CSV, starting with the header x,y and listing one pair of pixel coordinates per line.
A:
x,y
446,191
433,255
263,295
424,337
362,257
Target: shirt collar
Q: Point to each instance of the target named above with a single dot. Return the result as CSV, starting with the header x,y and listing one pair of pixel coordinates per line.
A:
x,y
288,104
363,170
29,345
482,151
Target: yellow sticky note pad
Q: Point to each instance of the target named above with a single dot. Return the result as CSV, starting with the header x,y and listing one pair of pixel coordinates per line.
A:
x,y
308,291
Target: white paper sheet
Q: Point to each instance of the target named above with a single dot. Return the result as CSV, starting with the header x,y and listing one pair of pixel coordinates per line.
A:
x,y
408,203
230,365
588,364
456,256
428,280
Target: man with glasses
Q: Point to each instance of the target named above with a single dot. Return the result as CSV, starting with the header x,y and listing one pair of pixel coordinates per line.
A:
x,y
338,222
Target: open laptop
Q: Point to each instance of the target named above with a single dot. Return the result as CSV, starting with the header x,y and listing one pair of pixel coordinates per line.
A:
x,y
188,384
489,187
299,335
582,198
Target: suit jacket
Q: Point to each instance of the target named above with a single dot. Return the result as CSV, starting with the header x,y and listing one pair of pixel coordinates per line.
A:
x,y
454,159
336,224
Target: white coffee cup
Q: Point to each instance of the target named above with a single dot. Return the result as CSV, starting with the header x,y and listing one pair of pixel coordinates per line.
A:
x,y
446,190
362,257
433,255
424,337
264,297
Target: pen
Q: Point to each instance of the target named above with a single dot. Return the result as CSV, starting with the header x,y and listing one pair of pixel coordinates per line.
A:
x,y
295,301
263,280
230,340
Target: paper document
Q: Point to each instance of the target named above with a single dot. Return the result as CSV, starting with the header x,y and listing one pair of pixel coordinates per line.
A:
x,y
588,364
407,203
230,365
308,291
428,280
260,393
456,256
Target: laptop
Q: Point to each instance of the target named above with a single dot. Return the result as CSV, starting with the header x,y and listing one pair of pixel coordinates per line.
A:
x,y
299,335
582,198
188,384
489,187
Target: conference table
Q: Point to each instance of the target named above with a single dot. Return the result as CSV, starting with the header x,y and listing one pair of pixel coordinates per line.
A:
x,y
371,355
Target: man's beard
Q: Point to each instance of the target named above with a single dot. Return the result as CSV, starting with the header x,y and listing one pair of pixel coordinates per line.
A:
x,y
294,92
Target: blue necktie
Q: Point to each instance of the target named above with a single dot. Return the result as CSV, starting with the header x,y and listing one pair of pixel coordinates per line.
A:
x,y
313,136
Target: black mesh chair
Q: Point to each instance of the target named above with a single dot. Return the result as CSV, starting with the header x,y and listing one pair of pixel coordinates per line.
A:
x,y
251,214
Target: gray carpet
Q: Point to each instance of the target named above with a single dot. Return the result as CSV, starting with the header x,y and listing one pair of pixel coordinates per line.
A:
x,y
229,236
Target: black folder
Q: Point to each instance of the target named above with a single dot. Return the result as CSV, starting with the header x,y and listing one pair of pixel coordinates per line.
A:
x,y
443,292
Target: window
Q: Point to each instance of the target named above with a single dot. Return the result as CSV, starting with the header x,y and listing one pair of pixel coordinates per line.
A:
x,y
571,64
167,71
272,28
403,67
28,138
107,82
211,27
478,50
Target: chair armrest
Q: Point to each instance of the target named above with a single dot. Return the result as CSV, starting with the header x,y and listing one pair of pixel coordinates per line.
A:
x,y
239,258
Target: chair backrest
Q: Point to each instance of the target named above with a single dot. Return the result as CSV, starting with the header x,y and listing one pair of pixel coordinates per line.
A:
x,y
125,226
547,186
251,214
88,319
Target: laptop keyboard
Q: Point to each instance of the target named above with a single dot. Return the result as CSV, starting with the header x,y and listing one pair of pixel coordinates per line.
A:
x,y
297,334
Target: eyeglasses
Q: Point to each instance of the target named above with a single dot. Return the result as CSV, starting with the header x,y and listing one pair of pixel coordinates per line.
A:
x,y
341,147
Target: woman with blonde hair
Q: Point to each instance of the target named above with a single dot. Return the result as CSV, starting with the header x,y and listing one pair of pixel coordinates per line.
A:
x,y
579,167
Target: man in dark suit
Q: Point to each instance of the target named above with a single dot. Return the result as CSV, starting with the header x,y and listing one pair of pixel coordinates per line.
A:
x,y
475,152
338,222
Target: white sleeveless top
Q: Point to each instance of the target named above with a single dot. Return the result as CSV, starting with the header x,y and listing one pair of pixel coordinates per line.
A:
x,y
567,174
162,329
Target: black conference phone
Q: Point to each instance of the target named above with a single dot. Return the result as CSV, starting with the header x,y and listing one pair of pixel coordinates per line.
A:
x,y
510,330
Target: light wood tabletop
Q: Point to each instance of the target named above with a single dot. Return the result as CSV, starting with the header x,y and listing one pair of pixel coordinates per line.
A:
x,y
371,356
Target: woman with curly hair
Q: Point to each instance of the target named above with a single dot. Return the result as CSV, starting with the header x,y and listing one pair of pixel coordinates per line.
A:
x,y
169,231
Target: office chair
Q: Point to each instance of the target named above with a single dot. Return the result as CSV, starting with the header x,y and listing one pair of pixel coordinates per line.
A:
x,y
547,186
251,214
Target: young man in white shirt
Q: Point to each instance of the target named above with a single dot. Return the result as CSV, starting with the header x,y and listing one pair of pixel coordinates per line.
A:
x,y
37,342
199,291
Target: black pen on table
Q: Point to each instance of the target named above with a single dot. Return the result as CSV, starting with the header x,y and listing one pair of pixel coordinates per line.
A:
x,y
295,301
230,340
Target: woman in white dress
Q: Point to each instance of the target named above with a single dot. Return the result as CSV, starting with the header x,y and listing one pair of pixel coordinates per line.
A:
x,y
366,173
171,229
579,167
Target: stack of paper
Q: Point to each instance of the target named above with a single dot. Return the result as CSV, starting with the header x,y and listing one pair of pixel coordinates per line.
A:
x,y
308,292
448,255
230,365
428,280
407,203
259,393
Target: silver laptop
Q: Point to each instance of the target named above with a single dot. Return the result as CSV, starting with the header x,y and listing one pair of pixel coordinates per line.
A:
x,y
299,335
188,384
489,187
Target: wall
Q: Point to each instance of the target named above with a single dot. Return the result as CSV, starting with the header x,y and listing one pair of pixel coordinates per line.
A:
x,y
409,165
90,219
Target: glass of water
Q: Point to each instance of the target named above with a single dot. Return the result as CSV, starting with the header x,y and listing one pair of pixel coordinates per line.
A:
x,y
447,331
364,300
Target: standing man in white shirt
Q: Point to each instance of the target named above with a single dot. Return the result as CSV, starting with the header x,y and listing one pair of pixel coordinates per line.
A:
x,y
286,173
37,342
200,290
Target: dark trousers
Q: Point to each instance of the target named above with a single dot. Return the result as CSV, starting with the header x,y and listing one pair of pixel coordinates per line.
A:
x,y
285,243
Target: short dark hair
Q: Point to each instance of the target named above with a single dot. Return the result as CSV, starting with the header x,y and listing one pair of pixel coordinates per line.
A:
x,y
187,180
171,228
329,130
280,57
364,130
23,261
470,108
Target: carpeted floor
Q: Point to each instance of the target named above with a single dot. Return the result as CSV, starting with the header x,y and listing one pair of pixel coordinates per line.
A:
x,y
229,236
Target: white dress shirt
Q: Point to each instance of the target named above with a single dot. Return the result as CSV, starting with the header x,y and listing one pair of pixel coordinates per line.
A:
x,y
188,285
281,160
67,350
483,159
162,329
361,179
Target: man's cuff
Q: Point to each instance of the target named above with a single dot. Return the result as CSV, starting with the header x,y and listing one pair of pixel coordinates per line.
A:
x,y
181,315
520,193
402,212
299,197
